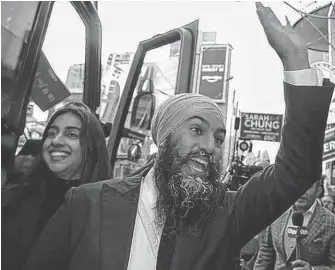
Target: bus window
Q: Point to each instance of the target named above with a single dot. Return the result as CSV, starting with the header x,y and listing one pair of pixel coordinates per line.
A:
x,y
159,77
62,61
16,22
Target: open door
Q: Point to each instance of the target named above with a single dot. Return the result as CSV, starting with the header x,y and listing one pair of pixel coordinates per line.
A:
x,y
162,66
25,29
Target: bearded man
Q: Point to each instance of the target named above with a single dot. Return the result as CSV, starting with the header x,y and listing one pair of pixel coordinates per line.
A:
x,y
176,214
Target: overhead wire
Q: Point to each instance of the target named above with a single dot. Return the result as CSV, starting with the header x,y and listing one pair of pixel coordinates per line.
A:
x,y
309,43
309,15
306,15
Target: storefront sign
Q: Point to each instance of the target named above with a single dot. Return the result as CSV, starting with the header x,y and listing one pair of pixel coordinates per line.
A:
x,y
329,145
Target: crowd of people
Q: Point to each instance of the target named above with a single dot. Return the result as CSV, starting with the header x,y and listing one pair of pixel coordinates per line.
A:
x,y
175,213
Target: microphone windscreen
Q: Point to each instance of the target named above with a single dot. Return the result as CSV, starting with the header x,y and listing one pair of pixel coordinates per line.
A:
x,y
297,219
237,123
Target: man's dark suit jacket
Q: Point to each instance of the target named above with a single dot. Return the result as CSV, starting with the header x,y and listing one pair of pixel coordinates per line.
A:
x,y
318,248
93,229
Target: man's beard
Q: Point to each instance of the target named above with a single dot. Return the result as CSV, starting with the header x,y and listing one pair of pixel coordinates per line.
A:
x,y
184,202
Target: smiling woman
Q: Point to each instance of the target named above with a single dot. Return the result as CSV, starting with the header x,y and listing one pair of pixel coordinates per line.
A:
x,y
68,150
61,149
69,158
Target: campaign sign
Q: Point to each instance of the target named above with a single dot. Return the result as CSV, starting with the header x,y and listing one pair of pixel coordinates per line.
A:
x,y
261,126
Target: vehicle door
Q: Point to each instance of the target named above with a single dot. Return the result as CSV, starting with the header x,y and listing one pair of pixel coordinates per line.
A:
x,y
34,67
162,67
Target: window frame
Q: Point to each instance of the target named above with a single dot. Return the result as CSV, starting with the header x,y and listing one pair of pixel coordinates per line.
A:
x,y
87,11
184,79
14,121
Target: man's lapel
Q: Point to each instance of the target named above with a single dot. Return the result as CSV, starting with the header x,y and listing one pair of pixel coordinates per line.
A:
x,y
118,213
315,224
313,227
282,227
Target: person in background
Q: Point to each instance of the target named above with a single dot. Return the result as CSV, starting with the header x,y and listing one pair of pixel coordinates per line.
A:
x,y
260,237
322,187
69,157
176,214
328,189
328,202
77,104
278,250
25,164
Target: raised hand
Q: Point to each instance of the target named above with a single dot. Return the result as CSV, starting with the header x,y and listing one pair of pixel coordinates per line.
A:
x,y
290,47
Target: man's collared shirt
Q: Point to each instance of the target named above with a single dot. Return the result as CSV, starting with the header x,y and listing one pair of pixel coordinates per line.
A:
x,y
305,77
290,243
146,237
308,214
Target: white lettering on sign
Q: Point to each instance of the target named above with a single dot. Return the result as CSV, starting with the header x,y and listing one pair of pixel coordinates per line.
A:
x,y
292,231
259,126
45,90
212,68
297,232
269,138
329,146
211,79
303,232
52,75
260,123
49,95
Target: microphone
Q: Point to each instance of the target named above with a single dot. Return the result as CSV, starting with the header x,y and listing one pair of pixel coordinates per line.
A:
x,y
237,123
297,219
300,231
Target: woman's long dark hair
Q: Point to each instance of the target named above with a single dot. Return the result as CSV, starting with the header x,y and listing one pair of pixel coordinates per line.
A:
x,y
95,162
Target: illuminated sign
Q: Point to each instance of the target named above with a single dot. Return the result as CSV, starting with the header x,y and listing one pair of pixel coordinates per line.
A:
x,y
214,71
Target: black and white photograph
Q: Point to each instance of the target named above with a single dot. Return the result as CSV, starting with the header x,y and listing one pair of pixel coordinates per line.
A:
x,y
167,135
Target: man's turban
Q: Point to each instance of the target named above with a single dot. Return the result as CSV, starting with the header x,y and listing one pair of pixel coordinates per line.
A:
x,y
176,110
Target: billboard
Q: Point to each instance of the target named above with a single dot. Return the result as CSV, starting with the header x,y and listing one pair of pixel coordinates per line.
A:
x,y
329,145
214,71
261,126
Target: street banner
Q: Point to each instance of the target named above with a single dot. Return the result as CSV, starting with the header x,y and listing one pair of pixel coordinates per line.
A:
x,y
214,71
329,145
261,126
48,90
